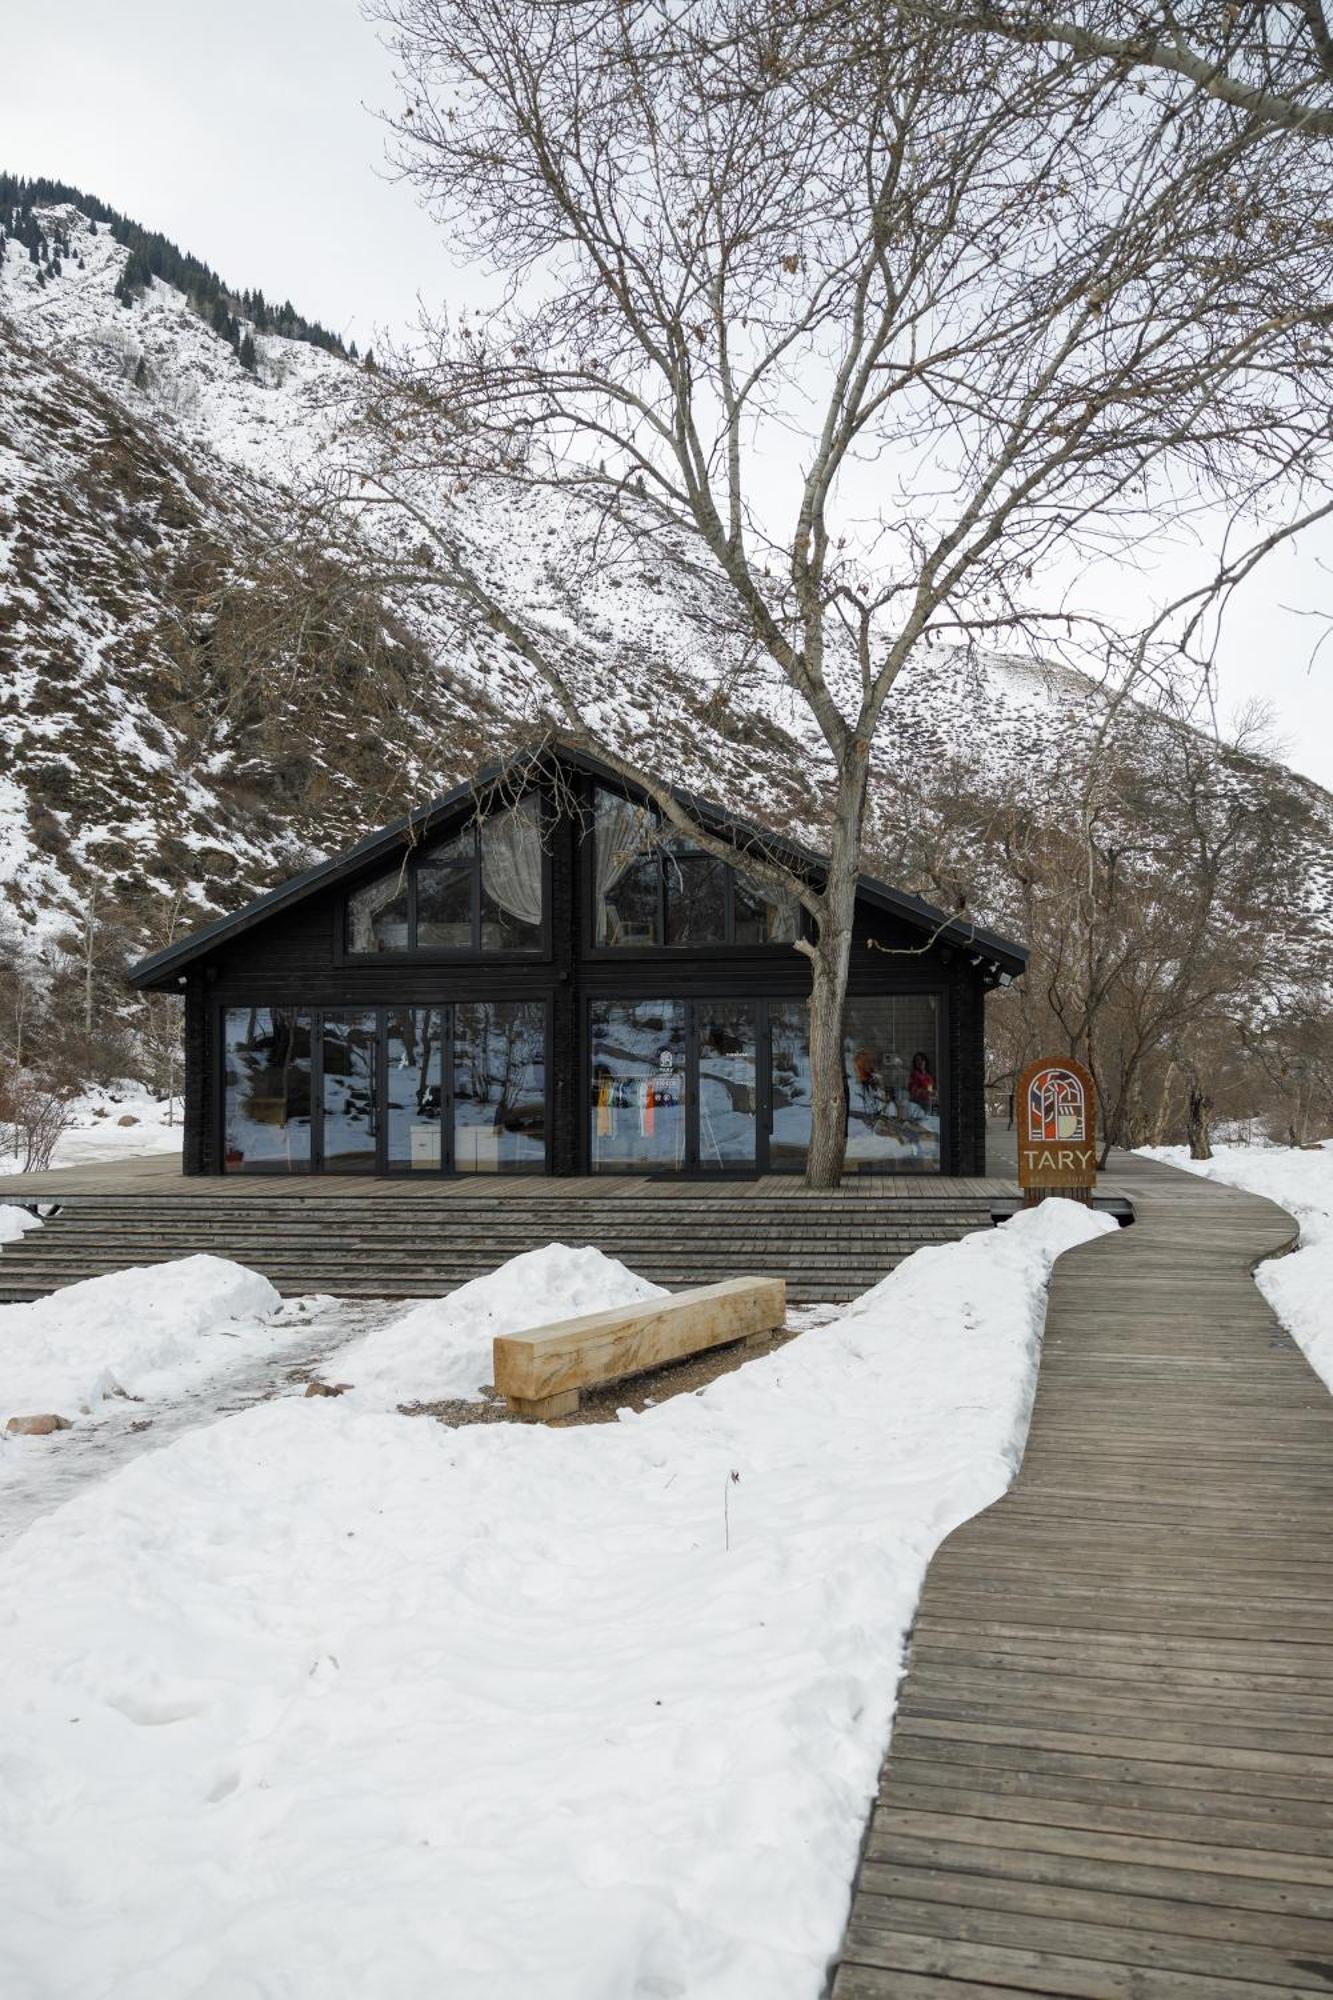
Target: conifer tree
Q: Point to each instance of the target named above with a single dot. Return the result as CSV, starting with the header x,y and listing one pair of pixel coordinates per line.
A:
x,y
141,374
248,354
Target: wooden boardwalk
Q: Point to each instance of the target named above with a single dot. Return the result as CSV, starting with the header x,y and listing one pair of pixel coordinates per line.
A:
x,y
1111,1772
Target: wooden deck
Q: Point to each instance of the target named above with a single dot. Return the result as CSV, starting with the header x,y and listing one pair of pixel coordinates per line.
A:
x,y
1111,1772
359,1236
161,1177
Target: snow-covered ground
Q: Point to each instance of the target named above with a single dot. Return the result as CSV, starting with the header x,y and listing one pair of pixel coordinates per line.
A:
x,y
145,1333
37,1475
1299,1287
319,1700
120,1122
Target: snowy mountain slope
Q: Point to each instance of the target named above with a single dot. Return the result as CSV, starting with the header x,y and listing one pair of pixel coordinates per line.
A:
x,y
164,739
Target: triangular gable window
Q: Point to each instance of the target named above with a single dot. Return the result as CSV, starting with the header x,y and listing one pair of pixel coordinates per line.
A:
x,y
483,890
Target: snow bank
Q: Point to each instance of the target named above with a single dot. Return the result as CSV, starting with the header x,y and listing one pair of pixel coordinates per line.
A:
x,y
442,1348
143,1332
16,1222
1298,1287
326,1701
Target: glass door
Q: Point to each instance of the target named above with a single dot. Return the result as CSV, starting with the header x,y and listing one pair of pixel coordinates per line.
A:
x,y
673,1086
789,1085
414,1090
499,1087
725,1093
347,1091
637,1063
891,1056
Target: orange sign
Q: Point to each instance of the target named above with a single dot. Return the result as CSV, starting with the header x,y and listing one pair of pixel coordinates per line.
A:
x,y
1057,1125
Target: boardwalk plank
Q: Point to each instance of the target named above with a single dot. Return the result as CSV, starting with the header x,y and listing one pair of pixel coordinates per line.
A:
x,y
1111,1773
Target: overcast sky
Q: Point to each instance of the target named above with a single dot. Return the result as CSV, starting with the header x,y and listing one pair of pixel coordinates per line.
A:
x,y
247,132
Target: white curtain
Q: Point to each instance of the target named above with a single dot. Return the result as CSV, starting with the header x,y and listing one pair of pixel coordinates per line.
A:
x,y
624,832
511,861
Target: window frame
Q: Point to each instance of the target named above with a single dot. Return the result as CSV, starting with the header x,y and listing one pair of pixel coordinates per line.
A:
x,y
438,954
315,1012
726,947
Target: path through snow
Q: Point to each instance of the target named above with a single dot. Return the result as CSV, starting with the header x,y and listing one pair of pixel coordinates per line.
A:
x,y
40,1474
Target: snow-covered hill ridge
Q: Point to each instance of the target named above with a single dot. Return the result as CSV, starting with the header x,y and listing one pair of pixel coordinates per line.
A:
x,y
154,747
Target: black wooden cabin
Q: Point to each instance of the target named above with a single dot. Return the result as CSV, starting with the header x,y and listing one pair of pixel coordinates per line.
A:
x,y
530,975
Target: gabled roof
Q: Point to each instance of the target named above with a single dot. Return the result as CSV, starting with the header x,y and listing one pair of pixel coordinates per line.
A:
x,y
163,968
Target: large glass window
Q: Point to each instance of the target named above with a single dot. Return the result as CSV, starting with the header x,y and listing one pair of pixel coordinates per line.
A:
x,y
267,1103
789,1086
499,1086
396,1089
890,1053
763,919
414,1089
891,1068
728,1083
654,888
638,1084
347,1053
480,891
511,878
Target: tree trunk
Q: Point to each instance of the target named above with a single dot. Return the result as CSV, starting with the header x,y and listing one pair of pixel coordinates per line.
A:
x,y
1199,1117
828,979
1160,1122
828,1078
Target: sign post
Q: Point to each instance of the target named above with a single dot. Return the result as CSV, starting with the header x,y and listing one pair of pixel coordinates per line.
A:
x,y
1057,1131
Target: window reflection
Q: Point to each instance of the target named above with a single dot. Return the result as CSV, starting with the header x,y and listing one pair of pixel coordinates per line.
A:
x,y
267,1108
789,1130
728,1079
638,1084
764,919
654,888
347,1054
499,1086
414,1088
377,914
481,890
511,878
444,900
890,1054
626,868
696,896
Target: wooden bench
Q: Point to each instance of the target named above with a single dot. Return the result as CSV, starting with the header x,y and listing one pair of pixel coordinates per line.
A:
x,y
541,1372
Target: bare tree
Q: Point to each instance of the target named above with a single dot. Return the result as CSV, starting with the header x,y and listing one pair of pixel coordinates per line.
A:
x,y
1173,892
860,318
1271,63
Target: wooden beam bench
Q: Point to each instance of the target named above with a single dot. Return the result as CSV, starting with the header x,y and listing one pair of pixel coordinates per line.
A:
x,y
542,1372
